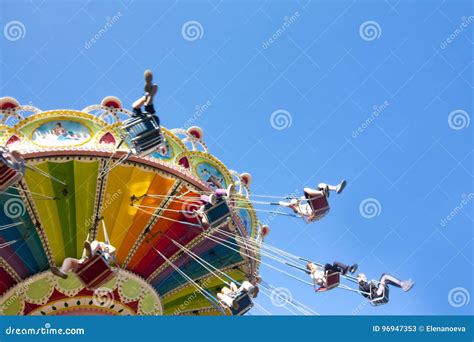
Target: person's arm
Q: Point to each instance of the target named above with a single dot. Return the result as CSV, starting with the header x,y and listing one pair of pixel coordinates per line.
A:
x,y
233,287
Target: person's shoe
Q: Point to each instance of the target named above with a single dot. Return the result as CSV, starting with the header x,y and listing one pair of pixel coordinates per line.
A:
x,y
57,272
407,285
87,247
354,268
230,190
212,199
341,186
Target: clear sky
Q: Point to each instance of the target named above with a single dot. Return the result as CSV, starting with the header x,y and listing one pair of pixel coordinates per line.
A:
x,y
376,92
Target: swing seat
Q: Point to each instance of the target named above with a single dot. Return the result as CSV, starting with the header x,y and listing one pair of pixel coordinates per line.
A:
x,y
376,300
332,281
217,214
319,204
242,303
144,133
9,174
94,272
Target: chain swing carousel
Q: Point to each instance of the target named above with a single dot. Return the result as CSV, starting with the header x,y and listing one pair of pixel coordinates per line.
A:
x,y
73,176
103,211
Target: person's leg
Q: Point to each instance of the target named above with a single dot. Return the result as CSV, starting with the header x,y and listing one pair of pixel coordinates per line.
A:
x,y
208,199
331,268
139,103
228,301
388,279
247,286
310,193
69,264
233,287
336,188
380,289
94,247
65,267
226,291
220,192
205,198
405,285
343,268
150,109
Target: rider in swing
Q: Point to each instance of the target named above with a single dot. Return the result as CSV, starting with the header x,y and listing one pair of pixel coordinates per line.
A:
x,y
316,205
227,295
212,199
373,289
150,90
319,272
92,249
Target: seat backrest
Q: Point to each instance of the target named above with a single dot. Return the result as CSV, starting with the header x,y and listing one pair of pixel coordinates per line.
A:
x,y
8,176
379,300
332,280
140,125
318,203
243,303
144,134
94,272
218,213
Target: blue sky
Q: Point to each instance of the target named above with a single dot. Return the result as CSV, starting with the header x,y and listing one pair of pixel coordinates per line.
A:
x,y
324,73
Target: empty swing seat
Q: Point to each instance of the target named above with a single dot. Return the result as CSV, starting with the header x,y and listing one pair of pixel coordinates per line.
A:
x,y
242,304
332,281
10,172
94,272
318,203
144,133
377,300
218,213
